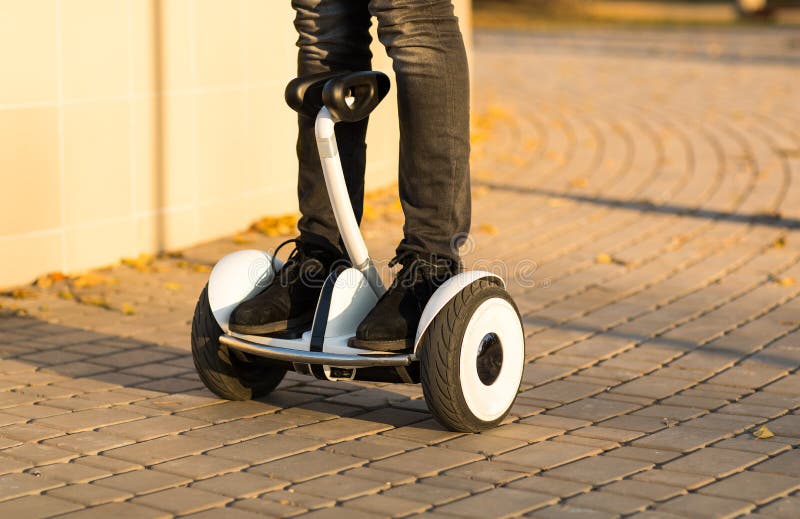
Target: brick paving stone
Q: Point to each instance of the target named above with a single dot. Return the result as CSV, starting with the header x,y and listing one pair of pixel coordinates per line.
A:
x,y
598,469
471,485
599,432
559,511
87,442
607,502
597,443
372,447
267,507
714,462
593,409
484,444
556,422
503,502
563,391
755,487
552,486
705,506
787,464
224,513
494,472
679,438
788,426
159,450
643,454
785,508
386,505
547,454
676,479
426,461
153,427
105,463
338,487
181,500
36,454
26,432
752,444
239,430
17,485
142,481
307,465
428,432
200,466
298,499
383,476
36,506
69,472
339,429
429,494
519,431
118,510
89,494
265,448
643,489
644,424
336,513
240,484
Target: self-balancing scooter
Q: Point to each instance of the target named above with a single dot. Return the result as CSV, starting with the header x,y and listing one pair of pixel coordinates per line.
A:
x,y
469,350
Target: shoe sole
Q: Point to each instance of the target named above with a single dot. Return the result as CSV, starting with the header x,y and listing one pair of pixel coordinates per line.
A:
x,y
397,345
287,326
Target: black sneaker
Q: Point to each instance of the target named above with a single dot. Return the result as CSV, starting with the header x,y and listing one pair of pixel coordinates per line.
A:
x,y
392,324
287,305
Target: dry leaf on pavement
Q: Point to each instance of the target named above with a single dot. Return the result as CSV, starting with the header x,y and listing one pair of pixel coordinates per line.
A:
x,y
762,433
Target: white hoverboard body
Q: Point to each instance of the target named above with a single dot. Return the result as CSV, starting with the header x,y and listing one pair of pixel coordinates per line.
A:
x,y
469,348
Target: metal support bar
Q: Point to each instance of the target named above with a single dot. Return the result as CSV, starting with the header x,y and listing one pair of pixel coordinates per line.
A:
x,y
315,357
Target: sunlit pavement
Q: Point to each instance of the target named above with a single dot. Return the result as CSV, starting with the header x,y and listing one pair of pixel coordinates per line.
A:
x,y
640,190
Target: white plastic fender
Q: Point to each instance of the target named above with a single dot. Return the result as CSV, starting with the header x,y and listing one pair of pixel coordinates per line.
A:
x,y
237,277
445,293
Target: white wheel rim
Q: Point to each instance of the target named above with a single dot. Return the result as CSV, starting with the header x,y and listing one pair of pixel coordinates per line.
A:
x,y
494,316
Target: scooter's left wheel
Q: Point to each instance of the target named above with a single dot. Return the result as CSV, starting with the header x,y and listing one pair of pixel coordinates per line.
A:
x,y
471,358
222,371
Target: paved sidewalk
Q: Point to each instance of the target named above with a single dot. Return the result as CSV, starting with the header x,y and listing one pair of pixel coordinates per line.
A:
x,y
642,191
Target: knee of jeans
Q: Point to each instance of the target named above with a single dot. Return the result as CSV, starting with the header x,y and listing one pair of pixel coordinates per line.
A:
x,y
429,25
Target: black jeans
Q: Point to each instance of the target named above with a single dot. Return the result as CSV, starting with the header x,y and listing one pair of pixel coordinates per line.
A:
x,y
423,39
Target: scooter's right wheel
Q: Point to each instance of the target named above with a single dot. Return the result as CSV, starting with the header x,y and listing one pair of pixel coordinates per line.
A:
x,y
471,358
222,371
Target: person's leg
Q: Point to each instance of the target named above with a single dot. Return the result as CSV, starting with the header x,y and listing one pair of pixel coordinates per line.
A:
x,y
333,35
425,44
424,41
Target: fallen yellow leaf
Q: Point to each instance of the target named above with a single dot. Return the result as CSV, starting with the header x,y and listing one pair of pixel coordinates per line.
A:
x,y
141,263
604,258
171,285
786,281
578,182
23,293
66,294
92,279
779,243
240,239
97,301
762,433
128,309
44,282
559,202
487,228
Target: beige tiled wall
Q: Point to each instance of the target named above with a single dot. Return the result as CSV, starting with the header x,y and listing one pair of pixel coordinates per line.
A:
x,y
131,126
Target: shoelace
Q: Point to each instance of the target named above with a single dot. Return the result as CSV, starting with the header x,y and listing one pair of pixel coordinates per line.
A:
x,y
293,267
412,270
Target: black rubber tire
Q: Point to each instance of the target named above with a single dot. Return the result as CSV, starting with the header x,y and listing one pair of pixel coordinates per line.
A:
x,y
439,353
222,372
